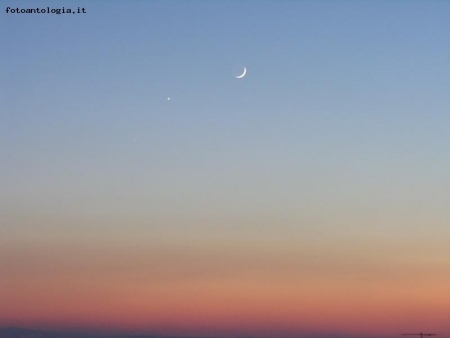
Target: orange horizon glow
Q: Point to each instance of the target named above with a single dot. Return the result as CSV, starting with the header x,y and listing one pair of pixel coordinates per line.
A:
x,y
276,296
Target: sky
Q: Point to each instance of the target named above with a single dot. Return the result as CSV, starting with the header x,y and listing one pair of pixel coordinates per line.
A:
x,y
146,189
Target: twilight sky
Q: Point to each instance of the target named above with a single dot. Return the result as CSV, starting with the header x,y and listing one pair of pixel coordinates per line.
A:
x,y
310,197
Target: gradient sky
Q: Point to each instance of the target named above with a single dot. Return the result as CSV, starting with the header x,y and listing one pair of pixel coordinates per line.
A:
x,y
310,197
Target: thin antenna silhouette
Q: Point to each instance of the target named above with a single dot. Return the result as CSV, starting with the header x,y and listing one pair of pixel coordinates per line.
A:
x,y
419,334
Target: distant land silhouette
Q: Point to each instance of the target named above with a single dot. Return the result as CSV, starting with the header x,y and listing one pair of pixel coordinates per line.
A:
x,y
14,332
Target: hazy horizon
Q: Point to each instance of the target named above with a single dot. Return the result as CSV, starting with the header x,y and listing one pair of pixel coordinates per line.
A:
x,y
64,333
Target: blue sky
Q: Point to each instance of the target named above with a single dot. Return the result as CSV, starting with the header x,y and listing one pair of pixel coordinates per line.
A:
x,y
329,84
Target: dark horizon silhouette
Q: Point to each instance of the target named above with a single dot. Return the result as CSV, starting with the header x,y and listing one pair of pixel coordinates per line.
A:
x,y
18,332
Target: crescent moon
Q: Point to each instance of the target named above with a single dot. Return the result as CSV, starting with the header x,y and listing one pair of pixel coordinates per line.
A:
x,y
242,75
